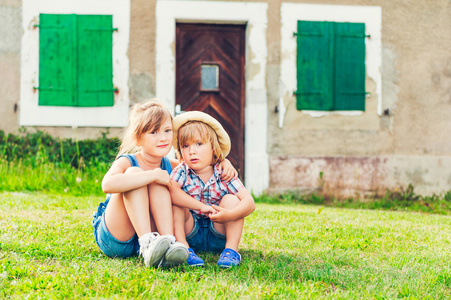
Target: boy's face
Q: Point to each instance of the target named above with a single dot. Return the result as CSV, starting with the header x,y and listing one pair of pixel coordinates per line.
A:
x,y
197,154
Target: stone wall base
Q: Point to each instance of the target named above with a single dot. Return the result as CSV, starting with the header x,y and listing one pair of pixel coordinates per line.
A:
x,y
359,176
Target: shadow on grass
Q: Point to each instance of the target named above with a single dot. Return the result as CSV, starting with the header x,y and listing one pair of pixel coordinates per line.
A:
x,y
274,268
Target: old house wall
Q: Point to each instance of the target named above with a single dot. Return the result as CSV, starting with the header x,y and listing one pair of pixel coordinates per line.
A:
x,y
401,138
409,143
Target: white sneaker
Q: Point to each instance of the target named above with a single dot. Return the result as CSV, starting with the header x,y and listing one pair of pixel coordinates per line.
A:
x,y
177,254
152,247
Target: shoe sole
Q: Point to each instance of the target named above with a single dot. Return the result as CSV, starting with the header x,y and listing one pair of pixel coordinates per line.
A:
x,y
228,266
175,257
197,265
158,250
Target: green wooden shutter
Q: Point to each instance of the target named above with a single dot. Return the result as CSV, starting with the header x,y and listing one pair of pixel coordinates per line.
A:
x,y
57,77
95,60
314,60
349,68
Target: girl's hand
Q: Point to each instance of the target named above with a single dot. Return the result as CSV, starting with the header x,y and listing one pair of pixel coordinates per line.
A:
x,y
228,172
223,215
162,177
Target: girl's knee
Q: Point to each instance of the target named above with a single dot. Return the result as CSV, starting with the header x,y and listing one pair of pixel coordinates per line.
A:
x,y
156,187
229,201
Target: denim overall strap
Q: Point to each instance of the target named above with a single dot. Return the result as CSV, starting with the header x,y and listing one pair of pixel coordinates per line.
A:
x,y
166,164
131,158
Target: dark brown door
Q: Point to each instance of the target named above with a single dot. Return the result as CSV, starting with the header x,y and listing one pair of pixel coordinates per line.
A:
x,y
210,77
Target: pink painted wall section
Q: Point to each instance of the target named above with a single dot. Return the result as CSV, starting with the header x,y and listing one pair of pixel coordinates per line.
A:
x,y
358,176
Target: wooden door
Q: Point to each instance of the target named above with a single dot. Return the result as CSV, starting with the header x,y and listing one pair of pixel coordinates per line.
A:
x,y
210,77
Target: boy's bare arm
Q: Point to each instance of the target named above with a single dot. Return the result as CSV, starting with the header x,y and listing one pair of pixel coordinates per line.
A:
x,y
182,199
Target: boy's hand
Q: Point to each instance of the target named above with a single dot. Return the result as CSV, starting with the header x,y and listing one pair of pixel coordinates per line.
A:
x,y
223,215
208,210
162,177
228,172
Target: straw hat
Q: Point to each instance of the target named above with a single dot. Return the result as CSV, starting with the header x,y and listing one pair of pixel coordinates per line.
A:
x,y
223,137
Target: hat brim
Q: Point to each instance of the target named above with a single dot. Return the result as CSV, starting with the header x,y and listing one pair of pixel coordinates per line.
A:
x,y
223,137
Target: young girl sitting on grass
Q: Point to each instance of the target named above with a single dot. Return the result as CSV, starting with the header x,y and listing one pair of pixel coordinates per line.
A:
x,y
201,143
137,214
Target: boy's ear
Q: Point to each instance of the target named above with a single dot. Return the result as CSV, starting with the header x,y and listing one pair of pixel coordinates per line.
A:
x,y
137,143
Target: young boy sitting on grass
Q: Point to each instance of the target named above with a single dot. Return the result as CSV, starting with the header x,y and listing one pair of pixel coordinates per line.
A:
x,y
202,143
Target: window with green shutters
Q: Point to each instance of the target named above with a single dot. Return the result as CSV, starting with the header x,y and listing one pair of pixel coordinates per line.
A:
x,y
330,66
75,60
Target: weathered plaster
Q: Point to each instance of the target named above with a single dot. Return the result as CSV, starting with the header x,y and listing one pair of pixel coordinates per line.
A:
x,y
441,78
11,3
9,91
360,175
254,15
142,40
10,29
31,114
141,87
390,87
11,16
253,67
421,117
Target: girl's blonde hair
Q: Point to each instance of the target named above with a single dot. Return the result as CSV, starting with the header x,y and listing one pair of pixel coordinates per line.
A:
x,y
144,116
187,134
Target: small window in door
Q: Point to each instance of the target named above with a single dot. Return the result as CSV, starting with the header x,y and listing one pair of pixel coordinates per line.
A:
x,y
209,77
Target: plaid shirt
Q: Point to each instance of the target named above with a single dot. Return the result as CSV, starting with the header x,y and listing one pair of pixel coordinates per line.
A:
x,y
208,193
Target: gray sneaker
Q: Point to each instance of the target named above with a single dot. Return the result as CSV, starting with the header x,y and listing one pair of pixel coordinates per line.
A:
x,y
177,254
153,248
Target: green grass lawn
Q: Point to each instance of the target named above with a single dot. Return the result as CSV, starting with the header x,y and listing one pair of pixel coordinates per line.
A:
x,y
289,251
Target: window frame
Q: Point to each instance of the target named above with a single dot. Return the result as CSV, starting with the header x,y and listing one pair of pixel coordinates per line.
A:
x,y
31,113
290,13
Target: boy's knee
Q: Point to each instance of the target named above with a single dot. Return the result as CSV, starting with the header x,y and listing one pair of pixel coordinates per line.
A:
x,y
133,170
229,201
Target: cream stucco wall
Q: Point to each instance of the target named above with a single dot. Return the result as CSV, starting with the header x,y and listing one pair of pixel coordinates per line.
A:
x,y
10,35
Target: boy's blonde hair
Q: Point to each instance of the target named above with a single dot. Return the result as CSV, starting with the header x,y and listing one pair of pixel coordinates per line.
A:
x,y
187,133
144,116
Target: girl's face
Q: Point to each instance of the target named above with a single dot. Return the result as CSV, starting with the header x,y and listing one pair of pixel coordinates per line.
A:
x,y
158,142
197,154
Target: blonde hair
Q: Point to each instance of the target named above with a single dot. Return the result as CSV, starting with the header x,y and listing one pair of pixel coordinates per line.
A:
x,y
187,133
144,116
